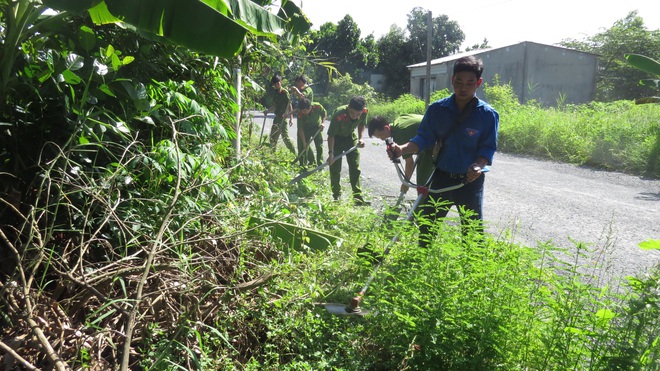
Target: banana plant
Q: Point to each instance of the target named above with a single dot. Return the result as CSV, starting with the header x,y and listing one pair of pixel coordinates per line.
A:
x,y
215,27
646,64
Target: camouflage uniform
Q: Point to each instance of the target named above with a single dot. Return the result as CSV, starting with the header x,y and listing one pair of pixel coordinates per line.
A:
x,y
342,128
402,130
309,124
280,126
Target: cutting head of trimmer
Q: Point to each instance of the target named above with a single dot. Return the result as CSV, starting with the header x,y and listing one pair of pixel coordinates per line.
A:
x,y
352,309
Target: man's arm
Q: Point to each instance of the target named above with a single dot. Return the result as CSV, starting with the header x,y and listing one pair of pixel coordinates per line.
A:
x,y
396,151
331,146
360,130
290,112
301,134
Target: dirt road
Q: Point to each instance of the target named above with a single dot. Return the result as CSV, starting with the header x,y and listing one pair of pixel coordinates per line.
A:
x,y
537,201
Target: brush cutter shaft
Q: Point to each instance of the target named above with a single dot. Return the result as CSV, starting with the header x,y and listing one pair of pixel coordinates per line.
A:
x,y
310,172
409,217
261,136
304,151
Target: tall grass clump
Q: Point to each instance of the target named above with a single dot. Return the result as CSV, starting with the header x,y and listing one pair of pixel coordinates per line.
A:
x,y
618,136
404,104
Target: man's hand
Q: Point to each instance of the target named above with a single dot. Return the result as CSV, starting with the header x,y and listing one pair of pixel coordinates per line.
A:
x,y
290,122
394,151
473,172
331,158
404,188
360,143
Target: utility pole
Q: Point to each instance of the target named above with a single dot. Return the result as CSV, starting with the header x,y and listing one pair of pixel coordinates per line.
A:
x,y
429,39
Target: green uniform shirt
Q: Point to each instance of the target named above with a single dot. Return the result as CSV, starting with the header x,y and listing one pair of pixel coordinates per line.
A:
x,y
404,128
281,101
315,116
341,124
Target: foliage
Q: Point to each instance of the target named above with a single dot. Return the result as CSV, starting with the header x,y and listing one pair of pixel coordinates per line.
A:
x,y
483,45
171,21
399,50
620,136
406,103
447,36
394,50
342,45
342,89
617,79
651,66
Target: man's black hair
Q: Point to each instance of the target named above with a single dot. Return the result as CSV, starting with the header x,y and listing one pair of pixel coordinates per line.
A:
x,y
357,103
301,78
376,123
275,79
469,64
304,104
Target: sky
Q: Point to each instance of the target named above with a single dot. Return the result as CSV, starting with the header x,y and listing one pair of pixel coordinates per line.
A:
x,y
502,22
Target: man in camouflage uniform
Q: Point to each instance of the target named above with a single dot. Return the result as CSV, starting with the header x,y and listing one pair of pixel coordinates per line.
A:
x,y
310,120
402,130
341,137
302,91
282,108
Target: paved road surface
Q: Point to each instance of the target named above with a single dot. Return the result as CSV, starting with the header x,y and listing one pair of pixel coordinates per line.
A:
x,y
543,201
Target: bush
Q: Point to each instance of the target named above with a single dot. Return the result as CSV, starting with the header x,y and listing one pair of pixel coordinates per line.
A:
x,y
341,90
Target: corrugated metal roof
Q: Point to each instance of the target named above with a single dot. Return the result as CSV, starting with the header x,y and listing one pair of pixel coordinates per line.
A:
x,y
481,51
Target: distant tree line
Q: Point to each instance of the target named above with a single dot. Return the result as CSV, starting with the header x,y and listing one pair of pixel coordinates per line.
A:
x,y
340,49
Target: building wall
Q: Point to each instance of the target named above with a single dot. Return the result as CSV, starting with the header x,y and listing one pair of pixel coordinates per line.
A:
x,y
545,73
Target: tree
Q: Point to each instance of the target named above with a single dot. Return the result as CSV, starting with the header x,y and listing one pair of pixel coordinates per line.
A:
x,y
398,50
341,44
394,51
483,45
447,35
616,78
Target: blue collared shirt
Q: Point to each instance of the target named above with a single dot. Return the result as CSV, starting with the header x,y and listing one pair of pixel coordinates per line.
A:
x,y
475,137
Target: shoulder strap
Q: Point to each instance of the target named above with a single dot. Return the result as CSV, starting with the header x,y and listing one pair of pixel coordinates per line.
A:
x,y
439,148
461,117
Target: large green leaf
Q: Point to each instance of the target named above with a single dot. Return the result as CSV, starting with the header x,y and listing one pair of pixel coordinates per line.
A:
x,y
250,15
298,23
216,27
190,23
644,63
293,236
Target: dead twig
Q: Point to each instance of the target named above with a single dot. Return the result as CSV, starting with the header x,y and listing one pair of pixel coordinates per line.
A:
x,y
17,357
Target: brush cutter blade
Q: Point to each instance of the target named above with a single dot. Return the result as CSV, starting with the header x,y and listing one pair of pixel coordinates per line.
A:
x,y
344,310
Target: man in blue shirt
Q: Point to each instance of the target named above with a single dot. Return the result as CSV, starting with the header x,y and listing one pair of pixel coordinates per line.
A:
x,y
469,141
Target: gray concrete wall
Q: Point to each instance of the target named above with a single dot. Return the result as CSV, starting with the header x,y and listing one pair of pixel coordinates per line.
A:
x,y
544,73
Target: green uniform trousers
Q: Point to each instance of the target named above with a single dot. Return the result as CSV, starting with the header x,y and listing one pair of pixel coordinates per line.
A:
x,y
281,127
425,166
308,158
353,159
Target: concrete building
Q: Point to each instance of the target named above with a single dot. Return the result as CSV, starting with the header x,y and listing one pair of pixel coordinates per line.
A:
x,y
545,73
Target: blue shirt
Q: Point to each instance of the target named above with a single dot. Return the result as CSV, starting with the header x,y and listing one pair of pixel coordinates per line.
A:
x,y
475,137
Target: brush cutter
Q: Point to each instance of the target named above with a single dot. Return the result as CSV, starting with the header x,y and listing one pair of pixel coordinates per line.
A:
x,y
304,151
353,308
307,173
